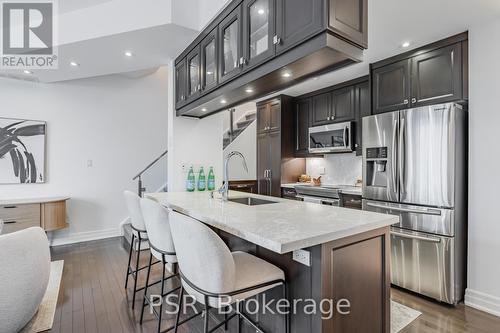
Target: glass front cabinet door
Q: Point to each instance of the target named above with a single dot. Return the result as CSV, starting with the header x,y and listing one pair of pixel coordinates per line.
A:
x,y
209,61
259,31
193,67
230,36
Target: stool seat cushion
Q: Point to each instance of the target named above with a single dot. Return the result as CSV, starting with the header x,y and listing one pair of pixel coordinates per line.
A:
x,y
250,271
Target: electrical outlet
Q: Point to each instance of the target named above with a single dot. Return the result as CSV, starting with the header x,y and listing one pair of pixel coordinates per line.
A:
x,y
302,256
90,163
321,170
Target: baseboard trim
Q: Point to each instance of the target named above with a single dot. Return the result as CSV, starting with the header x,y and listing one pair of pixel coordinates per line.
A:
x,y
481,301
86,236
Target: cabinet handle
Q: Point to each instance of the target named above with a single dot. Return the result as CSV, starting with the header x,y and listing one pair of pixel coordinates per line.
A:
x,y
243,61
328,118
414,100
10,222
276,40
9,207
405,101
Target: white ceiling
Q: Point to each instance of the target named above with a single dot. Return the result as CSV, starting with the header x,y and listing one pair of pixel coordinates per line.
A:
x,y
390,23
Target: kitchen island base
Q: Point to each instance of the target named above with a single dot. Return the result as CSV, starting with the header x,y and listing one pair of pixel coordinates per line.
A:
x,y
348,278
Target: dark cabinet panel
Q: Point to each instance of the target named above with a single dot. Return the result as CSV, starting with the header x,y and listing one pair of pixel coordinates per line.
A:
x,y
349,19
296,20
321,109
258,31
193,74
342,104
391,87
263,163
437,76
262,118
302,111
274,146
209,61
230,49
274,115
180,83
362,109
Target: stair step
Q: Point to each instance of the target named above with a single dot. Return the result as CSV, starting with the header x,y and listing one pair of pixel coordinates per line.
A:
x,y
244,123
251,116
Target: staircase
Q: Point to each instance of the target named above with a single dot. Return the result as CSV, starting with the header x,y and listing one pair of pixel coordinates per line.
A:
x,y
241,125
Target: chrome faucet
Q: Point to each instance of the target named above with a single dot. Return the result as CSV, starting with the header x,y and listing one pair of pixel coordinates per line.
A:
x,y
224,189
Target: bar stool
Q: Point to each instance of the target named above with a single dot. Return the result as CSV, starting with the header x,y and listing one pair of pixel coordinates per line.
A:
x,y
139,234
162,247
210,272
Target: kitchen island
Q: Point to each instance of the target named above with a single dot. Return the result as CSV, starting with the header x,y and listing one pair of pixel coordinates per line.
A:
x,y
348,253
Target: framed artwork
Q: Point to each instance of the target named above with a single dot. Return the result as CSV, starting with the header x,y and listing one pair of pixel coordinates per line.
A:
x,y
22,151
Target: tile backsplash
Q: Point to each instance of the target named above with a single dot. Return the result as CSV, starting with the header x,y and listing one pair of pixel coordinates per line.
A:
x,y
338,169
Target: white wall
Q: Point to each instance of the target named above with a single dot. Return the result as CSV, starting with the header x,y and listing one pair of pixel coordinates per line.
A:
x,y
339,169
118,123
484,181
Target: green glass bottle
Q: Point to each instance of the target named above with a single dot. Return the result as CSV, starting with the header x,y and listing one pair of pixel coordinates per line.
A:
x,y
202,183
190,183
211,180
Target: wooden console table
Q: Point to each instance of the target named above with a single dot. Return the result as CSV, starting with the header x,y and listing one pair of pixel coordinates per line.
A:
x,y
48,213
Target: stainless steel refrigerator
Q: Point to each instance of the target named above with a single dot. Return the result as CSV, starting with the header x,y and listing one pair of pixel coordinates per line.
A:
x,y
414,166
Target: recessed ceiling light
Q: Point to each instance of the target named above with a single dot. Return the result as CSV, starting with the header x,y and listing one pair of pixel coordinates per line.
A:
x,y
74,64
405,44
128,54
27,72
204,110
249,90
261,11
286,74
223,101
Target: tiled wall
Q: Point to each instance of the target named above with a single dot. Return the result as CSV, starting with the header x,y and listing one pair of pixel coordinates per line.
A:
x,y
338,169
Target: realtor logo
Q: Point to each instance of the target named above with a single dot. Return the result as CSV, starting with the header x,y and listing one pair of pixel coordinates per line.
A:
x,y
28,34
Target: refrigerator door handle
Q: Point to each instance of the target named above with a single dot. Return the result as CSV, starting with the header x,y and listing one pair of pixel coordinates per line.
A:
x,y
405,210
394,156
422,238
402,152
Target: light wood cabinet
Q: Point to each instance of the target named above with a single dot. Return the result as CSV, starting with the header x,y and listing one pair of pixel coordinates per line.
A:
x,y
47,214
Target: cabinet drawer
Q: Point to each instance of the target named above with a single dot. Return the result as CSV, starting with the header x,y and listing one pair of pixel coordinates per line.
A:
x,y
17,217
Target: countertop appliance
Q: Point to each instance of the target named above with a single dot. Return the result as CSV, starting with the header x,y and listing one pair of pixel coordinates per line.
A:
x,y
332,138
414,166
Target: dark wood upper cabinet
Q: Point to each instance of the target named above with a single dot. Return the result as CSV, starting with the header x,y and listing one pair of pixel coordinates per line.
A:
x,y
342,104
391,87
258,31
437,76
209,66
432,74
362,109
193,74
180,83
230,45
321,109
348,18
296,20
302,124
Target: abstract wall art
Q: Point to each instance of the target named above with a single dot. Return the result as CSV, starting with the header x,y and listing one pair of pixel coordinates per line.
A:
x,y
22,151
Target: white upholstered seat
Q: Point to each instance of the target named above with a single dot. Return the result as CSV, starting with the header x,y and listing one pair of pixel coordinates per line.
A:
x,y
208,264
24,276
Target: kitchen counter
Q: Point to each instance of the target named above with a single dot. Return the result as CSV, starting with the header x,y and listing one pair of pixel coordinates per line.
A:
x,y
281,227
345,255
31,200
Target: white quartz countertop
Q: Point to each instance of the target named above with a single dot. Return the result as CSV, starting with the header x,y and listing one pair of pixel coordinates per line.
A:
x,y
24,201
282,227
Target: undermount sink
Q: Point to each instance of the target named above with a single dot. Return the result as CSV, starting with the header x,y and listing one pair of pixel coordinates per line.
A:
x,y
249,201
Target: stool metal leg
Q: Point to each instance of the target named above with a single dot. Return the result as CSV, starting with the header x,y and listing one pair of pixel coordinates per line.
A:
x,y
179,309
205,330
161,291
129,260
136,269
146,287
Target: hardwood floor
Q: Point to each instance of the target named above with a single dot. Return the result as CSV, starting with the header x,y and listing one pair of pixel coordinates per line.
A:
x,y
93,298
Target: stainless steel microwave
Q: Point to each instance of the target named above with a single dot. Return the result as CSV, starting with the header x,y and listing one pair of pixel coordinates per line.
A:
x,y
334,138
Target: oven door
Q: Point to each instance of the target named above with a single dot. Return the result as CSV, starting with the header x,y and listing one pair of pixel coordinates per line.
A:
x,y
330,138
